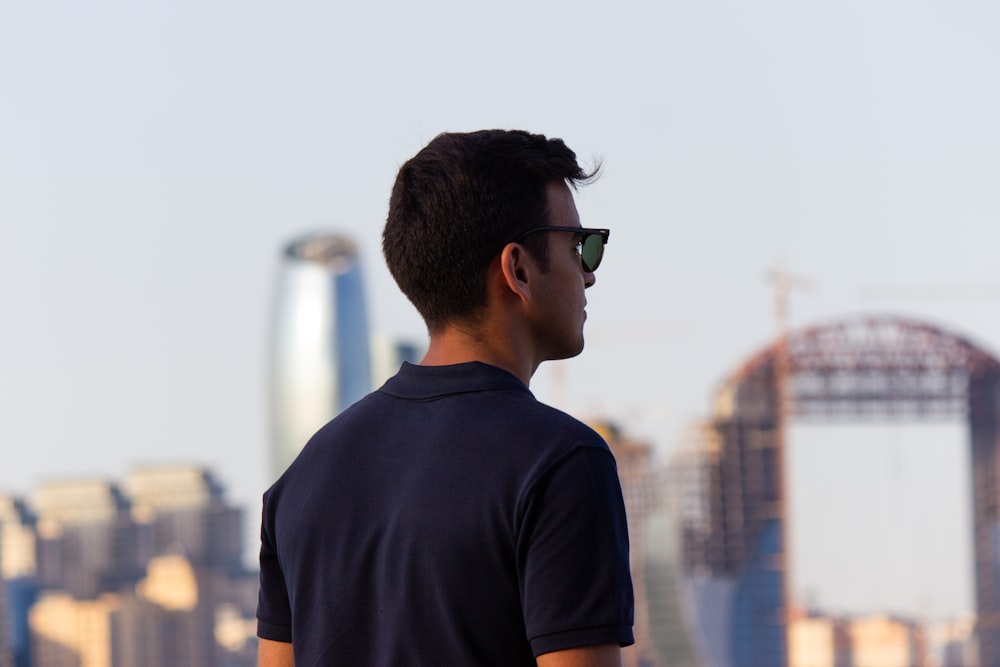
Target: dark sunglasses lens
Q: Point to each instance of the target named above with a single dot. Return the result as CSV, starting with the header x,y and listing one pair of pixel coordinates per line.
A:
x,y
592,252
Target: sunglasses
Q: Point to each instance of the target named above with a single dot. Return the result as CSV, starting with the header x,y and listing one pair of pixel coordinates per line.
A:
x,y
590,247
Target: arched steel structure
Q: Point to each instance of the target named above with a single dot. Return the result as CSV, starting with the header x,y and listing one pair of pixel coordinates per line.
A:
x,y
864,368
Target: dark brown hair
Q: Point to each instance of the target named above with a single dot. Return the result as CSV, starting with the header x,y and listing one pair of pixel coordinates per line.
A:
x,y
457,203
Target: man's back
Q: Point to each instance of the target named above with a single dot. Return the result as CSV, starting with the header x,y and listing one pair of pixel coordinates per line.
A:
x,y
447,519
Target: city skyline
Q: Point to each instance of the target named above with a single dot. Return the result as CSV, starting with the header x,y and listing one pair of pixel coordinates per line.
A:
x,y
75,613
156,158
146,571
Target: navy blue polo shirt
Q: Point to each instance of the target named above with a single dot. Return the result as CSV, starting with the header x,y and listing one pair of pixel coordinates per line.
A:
x,y
448,518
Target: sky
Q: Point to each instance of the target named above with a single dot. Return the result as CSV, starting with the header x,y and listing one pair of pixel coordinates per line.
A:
x,y
155,156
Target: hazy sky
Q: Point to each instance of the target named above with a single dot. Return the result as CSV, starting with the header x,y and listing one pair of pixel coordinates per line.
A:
x,y
155,155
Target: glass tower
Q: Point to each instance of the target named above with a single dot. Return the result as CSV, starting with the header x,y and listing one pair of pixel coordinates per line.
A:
x,y
320,360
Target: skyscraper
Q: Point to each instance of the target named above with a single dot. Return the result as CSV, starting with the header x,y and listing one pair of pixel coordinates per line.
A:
x,y
86,542
320,360
138,573
661,625
183,509
6,645
18,586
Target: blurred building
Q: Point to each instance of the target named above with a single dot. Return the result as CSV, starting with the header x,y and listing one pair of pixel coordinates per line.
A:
x,y
87,543
147,573
886,642
181,509
875,641
955,642
17,539
817,642
191,540
167,620
69,632
662,627
6,644
735,522
18,587
320,359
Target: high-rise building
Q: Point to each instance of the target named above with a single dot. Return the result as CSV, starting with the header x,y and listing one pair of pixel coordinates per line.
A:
x,y
167,620
815,640
139,573
818,641
192,541
69,632
17,539
955,642
6,645
183,511
320,360
17,581
662,626
881,640
86,540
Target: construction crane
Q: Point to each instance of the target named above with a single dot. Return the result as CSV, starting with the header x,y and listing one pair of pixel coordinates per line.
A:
x,y
783,283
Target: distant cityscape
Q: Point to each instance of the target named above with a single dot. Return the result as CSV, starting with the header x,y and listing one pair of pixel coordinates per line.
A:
x,y
150,570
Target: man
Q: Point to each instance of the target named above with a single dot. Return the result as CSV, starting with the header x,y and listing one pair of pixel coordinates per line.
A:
x,y
450,519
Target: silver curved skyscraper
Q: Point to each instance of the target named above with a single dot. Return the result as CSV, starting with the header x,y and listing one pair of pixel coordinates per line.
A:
x,y
320,360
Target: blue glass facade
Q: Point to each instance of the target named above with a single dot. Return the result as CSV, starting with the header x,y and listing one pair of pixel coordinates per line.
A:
x,y
320,359
758,630
21,594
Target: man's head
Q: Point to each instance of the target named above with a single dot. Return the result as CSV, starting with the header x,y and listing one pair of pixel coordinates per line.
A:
x,y
457,203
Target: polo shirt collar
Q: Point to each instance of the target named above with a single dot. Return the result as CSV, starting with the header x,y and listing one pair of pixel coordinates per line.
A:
x,y
425,382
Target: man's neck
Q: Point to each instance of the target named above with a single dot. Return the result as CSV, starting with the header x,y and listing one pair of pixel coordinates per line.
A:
x,y
456,344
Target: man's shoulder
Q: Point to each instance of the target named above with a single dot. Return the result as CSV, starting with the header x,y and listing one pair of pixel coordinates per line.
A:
x,y
540,418
502,423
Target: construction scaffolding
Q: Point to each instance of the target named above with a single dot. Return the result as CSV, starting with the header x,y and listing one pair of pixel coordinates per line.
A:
x,y
736,519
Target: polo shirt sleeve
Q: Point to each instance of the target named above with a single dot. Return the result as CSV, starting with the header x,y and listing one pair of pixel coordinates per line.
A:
x,y
573,558
274,615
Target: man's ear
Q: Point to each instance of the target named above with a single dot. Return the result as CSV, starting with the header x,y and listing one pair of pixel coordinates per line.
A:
x,y
517,269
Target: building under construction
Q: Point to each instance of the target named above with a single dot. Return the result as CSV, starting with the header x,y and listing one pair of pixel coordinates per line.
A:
x,y
736,515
